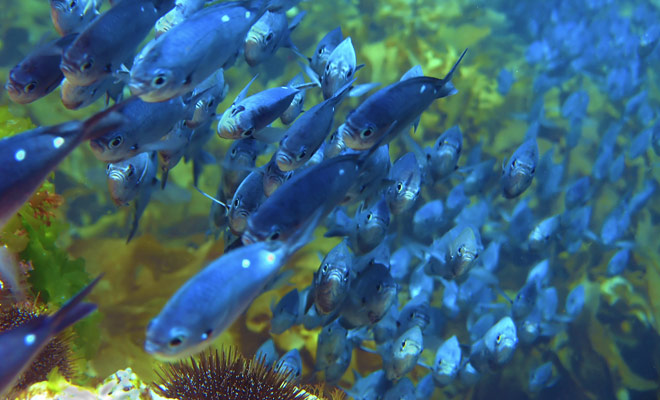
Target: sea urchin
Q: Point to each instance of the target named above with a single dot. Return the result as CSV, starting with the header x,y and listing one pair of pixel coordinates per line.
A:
x,y
225,376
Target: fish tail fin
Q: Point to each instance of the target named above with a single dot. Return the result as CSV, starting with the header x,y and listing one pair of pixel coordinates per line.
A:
x,y
101,123
446,88
74,309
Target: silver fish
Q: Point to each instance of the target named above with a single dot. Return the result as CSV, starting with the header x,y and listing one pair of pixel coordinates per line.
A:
x,y
405,353
248,197
372,294
406,176
268,34
75,97
298,102
290,364
518,172
447,362
332,280
274,177
442,159
286,313
371,227
324,49
70,16
339,69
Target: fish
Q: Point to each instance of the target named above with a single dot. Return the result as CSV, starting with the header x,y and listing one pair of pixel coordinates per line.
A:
x,y
372,178
306,135
20,345
518,171
332,280
406,177
133,179
268,34
38,73
248,197
267,352
100,48
578,193
320,187
406,350
541,377
182,10
372,225
146,124
403,389
394,108
75,97
543,232
296,107
187,54
455,253
73,16
335,145
372,293
210,93
183,142
286,312
290,365
31,155
238,162
324,48
505,80
370,387
197,313
250,115
274,177
496,347
575,301
447,362
443,157
332,344
339,69
618,262
416,312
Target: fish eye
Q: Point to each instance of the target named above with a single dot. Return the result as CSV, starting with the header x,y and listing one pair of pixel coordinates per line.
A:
x,y
159,80
403,345
513,164
325,268
364,300
237,109
207,334
269,37
274,236
233,151
177,341
108,167
116,142
460,251
248,132
369,216
211,103
131,170
379,287
399,187
321,49
29,87
302,154
533,170
498,339
367,132
87,65
237,202
72,4
349,73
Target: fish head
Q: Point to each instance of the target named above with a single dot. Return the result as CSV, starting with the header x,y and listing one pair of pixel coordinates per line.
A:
x,y
82,67
123,182
22,86
168,21
274,177
234,123
288,160
112,147
335,76
335,145
238,216
358,133
158,83
260,41
172,342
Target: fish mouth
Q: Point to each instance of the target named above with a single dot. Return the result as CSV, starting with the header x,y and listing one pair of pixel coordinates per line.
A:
x,y
137,88
505,350
350,137
117,176
284,161
248,238
252,50
238,224
12,89
229,129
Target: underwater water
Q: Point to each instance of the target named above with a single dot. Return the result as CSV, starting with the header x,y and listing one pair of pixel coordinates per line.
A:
x,y
577,77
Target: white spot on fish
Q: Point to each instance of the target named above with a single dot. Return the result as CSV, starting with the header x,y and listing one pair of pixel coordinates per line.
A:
x,y
247,14
422,89
341,172
245,263
270,257
20,155
205,336
29,339
58,142
225,18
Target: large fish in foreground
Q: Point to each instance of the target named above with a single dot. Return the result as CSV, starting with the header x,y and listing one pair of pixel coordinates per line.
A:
x,y
210,301
191,51
20,345
402,101
30,156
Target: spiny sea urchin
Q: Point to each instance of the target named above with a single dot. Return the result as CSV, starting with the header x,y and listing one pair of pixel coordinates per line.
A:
x,y
56,354
226,376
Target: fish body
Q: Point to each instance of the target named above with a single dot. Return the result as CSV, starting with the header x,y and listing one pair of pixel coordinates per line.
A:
x,y
267,352
406,177
73,16
268,34
575,301
371,227
133,179
247,199
247,116
541,377
405,353
286,312
323,50
428,218
192,50
417,312
372,294
442,159
290,364
38,73
75,96
496,347
332,280
447,362
308,132
339,69
296,107
198,312
393,109
19,346
332,343
518,172
274,177
100,48
320,187
30,156
543,232
145,124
